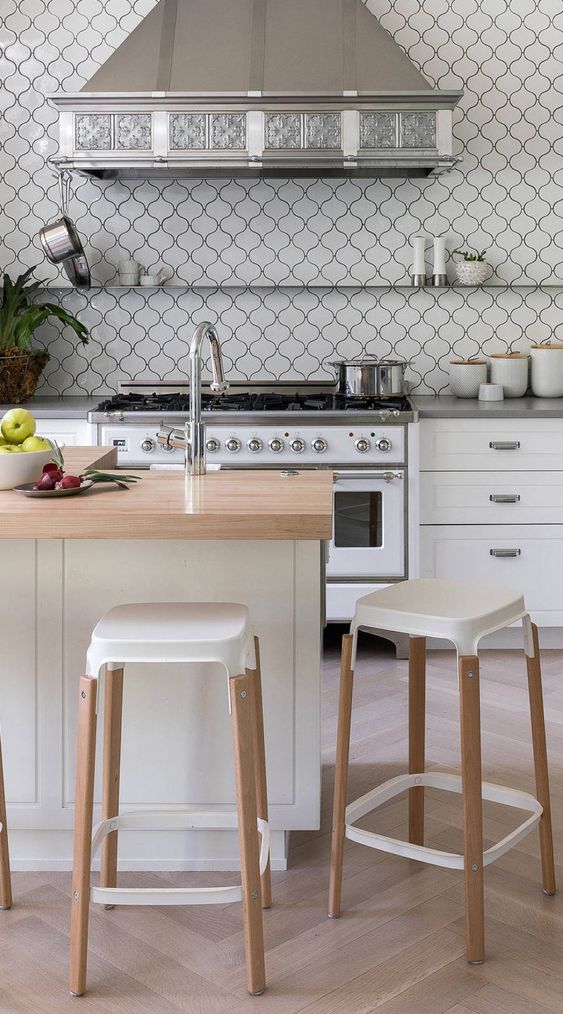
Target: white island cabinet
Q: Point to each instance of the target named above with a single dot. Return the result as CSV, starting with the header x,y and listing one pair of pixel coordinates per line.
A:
x,y
491,507
241,537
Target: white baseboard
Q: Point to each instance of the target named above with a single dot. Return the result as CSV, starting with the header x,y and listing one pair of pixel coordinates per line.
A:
x,y
34,849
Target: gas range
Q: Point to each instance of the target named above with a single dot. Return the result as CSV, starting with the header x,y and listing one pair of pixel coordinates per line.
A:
x,y
257,425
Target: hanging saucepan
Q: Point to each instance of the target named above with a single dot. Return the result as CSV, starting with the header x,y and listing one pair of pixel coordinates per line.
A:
x,y
371,378
61,242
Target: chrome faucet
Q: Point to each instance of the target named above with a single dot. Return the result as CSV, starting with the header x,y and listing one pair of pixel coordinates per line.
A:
x,y
192,438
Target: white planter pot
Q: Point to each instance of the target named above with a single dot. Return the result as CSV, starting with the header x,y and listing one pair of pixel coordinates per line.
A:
x,y
471,272
511,372
547,371
466,376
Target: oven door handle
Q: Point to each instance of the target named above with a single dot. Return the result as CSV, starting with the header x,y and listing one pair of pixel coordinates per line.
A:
x,y
386,474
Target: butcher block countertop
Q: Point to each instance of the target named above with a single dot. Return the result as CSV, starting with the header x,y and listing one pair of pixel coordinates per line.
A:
x,y
162,505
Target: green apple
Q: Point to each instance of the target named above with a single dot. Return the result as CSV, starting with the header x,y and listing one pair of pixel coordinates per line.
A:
x,y
17,425
36,444
2,441
10,449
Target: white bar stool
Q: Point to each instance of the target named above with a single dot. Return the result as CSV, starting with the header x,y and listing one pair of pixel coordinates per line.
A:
x,y
171,632
5,881
463,614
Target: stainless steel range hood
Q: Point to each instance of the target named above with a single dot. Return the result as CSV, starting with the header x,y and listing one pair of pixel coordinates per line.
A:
x,y
248,88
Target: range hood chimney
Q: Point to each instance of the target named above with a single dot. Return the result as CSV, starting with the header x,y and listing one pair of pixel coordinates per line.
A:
x,y
249,88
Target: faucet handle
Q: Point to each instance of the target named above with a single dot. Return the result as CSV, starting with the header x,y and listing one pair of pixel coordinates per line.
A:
x,y
219,388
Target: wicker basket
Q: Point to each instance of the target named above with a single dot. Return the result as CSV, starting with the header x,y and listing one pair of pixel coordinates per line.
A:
x,y
19,375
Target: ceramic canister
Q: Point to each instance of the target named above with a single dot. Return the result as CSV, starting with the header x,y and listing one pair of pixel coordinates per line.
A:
x,y
510,370
466,376
547,370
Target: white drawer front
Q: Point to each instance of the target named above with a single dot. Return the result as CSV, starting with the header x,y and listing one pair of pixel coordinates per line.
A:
x,y
456,498
463,553
491,445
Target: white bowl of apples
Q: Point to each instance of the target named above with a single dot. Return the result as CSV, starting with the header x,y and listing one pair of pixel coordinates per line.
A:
x,y
22,453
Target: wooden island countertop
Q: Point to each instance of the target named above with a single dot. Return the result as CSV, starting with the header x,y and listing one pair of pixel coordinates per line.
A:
x,y
230,504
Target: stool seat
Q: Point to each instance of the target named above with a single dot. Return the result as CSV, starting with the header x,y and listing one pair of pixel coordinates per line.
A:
x,y
172,632
427,607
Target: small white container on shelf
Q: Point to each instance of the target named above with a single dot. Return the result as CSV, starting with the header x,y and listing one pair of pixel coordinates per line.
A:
x,y
491,392
510,369
547,370
466,376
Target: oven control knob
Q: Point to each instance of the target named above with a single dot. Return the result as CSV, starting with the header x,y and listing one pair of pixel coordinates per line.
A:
x,y
363,445
276,445
319,445
297,445
254,444
212,445
384,444
148,445
233,444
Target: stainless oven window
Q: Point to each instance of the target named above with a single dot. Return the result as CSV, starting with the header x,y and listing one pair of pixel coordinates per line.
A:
x,y
358,519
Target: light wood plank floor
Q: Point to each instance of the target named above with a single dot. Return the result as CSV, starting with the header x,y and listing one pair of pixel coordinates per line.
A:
x,y
399,946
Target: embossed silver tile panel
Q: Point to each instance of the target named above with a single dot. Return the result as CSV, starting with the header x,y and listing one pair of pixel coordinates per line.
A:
x,y
133,131
505,195
322,130
379,130
92,132
418,130
187,130
228,130
282,130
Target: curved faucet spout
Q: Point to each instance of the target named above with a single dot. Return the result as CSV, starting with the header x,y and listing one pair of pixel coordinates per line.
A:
x,y
195,450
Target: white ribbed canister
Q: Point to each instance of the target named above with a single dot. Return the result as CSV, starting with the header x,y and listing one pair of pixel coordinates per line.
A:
x,y
547,370
510,370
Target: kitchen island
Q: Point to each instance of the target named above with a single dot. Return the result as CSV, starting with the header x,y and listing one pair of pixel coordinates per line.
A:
x,y
254,537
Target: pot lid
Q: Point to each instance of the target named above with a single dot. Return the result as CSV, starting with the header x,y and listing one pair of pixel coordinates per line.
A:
x,y
368,362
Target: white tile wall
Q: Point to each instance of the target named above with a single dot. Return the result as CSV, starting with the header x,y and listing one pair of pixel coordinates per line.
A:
x,y
506,194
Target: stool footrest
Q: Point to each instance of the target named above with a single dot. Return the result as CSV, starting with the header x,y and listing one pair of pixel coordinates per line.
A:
x,y
174,820
451,783
166,896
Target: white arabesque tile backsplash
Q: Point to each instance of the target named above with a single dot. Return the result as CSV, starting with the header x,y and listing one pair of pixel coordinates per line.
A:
x,y
250,248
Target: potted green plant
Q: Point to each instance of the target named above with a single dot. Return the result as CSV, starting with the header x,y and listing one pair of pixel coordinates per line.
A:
x,y
473,269
20,364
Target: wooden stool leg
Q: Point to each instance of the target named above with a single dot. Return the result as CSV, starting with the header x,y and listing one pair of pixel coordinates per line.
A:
x,y
540,763
257,717
341,776
5,881
241,689
417,723
80,904
113,710
470,714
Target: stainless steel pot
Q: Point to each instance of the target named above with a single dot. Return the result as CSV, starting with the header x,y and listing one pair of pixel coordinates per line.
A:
x,y
378,378
61,241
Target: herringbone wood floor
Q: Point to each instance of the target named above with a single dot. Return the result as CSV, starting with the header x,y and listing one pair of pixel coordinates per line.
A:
x,y
398,948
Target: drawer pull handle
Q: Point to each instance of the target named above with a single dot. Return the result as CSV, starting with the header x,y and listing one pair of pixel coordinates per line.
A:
x,y
505,498
504,445
505,552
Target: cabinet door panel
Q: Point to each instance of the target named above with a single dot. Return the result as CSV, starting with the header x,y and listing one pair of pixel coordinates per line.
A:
x,y
534,566
490,444
491,498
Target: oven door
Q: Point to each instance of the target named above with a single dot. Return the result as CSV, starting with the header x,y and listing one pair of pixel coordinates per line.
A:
x,y
368,538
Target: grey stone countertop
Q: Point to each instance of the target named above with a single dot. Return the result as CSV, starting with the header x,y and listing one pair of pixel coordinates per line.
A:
x,y
445,406
57,408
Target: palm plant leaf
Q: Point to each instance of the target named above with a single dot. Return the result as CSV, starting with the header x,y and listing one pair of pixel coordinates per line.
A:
x,y
20,316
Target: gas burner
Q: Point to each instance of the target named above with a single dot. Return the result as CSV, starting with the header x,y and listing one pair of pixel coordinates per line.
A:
x,y
251,401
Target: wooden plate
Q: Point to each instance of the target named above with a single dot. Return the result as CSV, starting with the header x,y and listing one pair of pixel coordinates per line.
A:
x,y
27,489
